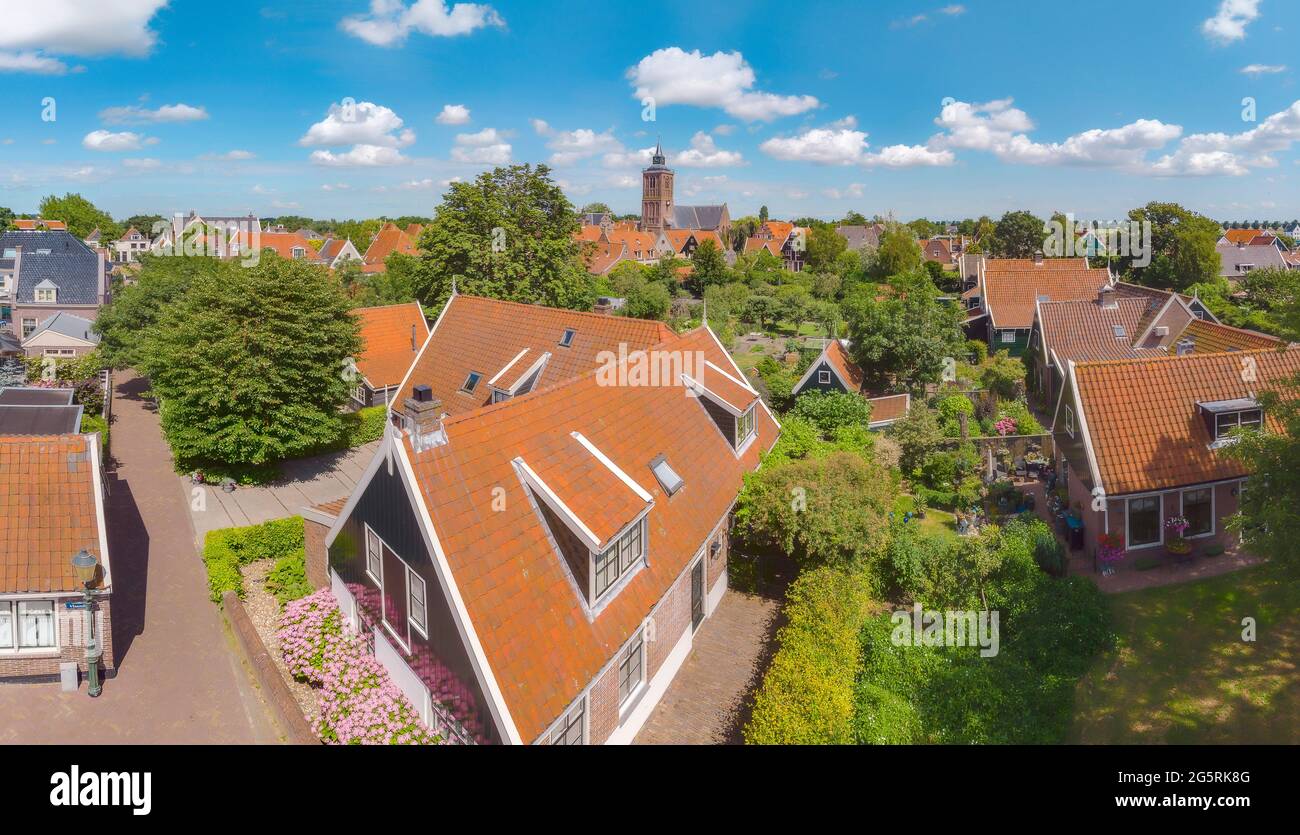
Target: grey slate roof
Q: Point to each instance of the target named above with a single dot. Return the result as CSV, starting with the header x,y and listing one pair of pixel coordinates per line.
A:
x,y
1261,256
39,420
66,324
32,396
860,236
71,265
698,217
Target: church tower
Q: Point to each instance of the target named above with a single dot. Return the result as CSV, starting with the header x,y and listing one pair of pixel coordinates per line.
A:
x,y
657,193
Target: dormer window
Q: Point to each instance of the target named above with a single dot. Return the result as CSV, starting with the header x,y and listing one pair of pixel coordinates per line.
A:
x,y
1225,424
299,252
618,559
471,382
567,339
744,426
47,292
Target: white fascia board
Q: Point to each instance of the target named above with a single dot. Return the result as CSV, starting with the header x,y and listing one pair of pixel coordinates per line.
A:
x,y
611,466
579,528
507,367
424,347
1087,436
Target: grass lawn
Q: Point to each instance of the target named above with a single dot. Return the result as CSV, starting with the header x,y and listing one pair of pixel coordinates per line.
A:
x,y
1181,672
936,521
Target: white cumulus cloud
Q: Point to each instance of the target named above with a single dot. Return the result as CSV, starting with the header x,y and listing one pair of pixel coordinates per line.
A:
x,y
136,115
103,140
486,147
359,123
1263,69
391,21
361,156
704,153
1229,23
722,80
453,114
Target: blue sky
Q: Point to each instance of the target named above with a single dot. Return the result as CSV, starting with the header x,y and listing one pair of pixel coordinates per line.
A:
x,y
353,108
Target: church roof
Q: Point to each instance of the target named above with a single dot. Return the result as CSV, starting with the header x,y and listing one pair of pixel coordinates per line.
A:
x,y
698,217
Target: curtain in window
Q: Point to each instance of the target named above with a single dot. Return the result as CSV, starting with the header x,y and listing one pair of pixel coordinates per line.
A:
x,y
6,625
36,623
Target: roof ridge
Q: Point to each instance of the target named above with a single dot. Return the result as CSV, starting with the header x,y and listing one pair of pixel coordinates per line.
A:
x,y
556,386
588,313
1175,358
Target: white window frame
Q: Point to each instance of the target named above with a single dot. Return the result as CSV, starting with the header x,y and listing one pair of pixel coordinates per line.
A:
x,y
46,295
561,727
566,338
747,419
1214,521
1069,421
15,607
823,376
1225,435
633,531
1006,336
422,625
630,698
1160,521
370,533
35,323
467,387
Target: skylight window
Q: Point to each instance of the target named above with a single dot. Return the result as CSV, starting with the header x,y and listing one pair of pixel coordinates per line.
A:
x,y
471,382
567,339
668,478
1119,331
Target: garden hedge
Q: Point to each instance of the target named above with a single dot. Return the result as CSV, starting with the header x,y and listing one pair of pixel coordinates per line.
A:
x,y
807,696
226,549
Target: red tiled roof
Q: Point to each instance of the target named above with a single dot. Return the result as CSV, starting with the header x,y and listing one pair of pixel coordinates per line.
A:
x,y
485,335
386,337
722,383
1146,430
838,357
1244,236
1004,264
391,239
1010,294
539,643
48,511
1213,338
284,243
889,408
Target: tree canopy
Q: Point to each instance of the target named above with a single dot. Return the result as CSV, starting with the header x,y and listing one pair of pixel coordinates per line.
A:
x,y
80,214
904,333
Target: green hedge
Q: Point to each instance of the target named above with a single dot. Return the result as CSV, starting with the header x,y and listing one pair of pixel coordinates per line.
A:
x,y
226,549
364,425
807,696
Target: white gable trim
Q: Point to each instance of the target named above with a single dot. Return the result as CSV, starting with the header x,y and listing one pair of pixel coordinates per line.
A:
x,y
614,468
1087,435
557,504
428,337
821,358
464,624
97,484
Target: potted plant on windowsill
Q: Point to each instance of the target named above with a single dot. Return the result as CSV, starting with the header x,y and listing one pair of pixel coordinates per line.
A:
x,y
1110,550
1176,545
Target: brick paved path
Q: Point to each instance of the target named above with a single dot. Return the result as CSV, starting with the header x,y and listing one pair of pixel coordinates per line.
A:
x,y
179,679
706,703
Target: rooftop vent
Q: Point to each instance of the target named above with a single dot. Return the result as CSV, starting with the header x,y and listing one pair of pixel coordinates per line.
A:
x,y
1161,331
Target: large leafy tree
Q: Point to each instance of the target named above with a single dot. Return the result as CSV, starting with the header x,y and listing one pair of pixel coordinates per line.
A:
x,y
80,214
824,247
1183,249
251,364
1018,235
1270,505
509,234
898,253
903,336
133,310
709,268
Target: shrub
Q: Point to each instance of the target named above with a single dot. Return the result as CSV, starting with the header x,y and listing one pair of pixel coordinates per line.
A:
x,y
287,580
359,704
807,695
832,410
226,549
978,350
954,405
366,425
1050,554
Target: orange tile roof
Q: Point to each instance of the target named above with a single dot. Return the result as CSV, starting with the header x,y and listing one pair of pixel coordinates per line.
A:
x,y
386,337
589,233
48,507
640,245
1003,264
1010,294
777,230
1080,331
1144,424
485,335
753,244
39,223
391,239
725,385
839,358
1213,338
889,408
1243,236
936,250
283,244
601,256
538,641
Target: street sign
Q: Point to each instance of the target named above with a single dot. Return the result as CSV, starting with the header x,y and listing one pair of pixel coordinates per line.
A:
x,y
75,604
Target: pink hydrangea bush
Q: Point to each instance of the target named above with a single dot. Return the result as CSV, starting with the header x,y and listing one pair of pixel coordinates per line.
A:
x,y
311,631
359,704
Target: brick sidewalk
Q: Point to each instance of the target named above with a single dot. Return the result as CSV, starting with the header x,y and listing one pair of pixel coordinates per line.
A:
x,y
179,678
705,704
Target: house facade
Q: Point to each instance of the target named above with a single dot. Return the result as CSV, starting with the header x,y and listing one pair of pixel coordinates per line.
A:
x,y
835,371
1144,440
44,522
1000,303
533,569
44,273
63,336
130,246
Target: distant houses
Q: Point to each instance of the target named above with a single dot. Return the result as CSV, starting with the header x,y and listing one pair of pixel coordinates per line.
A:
x,y
45,273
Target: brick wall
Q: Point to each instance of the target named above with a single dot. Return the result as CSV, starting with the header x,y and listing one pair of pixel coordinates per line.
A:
x,y
602,702
71,625
672,619
317,556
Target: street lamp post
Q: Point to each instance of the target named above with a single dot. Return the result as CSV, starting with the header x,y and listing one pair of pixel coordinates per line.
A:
x,y
86,566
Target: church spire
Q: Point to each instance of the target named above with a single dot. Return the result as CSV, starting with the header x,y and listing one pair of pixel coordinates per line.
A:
x,y
659,158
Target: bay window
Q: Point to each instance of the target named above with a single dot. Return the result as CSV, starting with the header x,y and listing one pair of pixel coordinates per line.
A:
x,y
1143,522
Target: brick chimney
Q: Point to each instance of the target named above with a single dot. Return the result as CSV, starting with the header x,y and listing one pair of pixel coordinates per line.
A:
x,y
422,413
